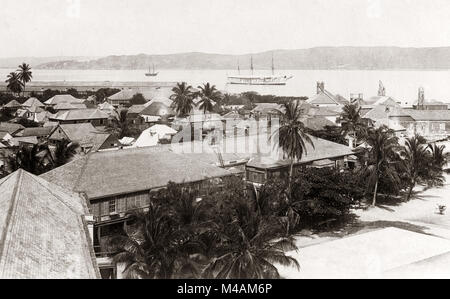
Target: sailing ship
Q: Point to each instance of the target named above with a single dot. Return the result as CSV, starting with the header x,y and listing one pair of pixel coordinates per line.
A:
x,y
258,80
151,73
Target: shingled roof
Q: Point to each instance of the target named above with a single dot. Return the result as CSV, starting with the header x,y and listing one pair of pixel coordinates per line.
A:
x,y
63,98
323,149
69,106
13,104
80,114
38,132
32,102
148,93
11,128
132,170
324,97
157,109
43,233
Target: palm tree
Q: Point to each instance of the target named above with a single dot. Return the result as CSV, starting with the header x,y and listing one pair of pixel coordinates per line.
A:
x,y
182,99
209,95
119,125
250,246
380,158
352,123
291,136
153,247
437,155
65,150
14,83
415,159
25,74
34,159
436,165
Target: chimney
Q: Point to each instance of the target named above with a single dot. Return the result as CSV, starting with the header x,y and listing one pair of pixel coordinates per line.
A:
x,y
381,89
320,87
421,98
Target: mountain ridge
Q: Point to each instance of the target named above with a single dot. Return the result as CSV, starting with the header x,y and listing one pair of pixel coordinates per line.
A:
x,y
334,58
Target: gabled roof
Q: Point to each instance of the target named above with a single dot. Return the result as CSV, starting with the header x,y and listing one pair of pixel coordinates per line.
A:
x,y
135,109
70,106
76,132
382,112
80,114
94,140
43,234
165,100
38,132
132,170
157,109
152,135
148,93
13,104
11,128
325,97
32,102
323,149
62,98
381,100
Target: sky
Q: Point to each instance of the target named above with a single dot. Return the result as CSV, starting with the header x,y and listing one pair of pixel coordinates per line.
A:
x,y
44,28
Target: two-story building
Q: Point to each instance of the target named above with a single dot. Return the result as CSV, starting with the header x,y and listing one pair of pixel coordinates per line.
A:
x,y
324,153
85,135
46,231
117,182
94,116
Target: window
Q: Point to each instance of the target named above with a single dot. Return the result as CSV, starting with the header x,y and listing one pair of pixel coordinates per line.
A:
x,y
96,209
112,206
256,177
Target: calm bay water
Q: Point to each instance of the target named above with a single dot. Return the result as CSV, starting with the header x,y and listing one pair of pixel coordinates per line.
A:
x,y
401,85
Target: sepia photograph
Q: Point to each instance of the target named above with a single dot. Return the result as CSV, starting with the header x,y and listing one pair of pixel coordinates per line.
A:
x,y
214,142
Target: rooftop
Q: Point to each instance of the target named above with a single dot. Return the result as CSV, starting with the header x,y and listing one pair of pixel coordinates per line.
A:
x,y
38,131
11,128
81,133
12,104
323,149
62,98
69,106
157,109
43,231
133,170
148,93
80,114
324,97
32,102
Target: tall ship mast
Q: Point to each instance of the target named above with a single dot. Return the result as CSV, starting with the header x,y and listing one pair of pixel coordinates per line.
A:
x,y
151,73
258,79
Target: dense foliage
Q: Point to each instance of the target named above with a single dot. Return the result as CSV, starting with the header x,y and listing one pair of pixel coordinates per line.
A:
x,y
230,231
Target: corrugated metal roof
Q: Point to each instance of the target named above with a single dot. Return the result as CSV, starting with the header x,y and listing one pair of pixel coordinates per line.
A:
x,y
43,233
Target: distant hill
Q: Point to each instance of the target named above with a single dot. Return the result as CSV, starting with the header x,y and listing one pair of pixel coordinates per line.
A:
x,y
13,62
348,58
